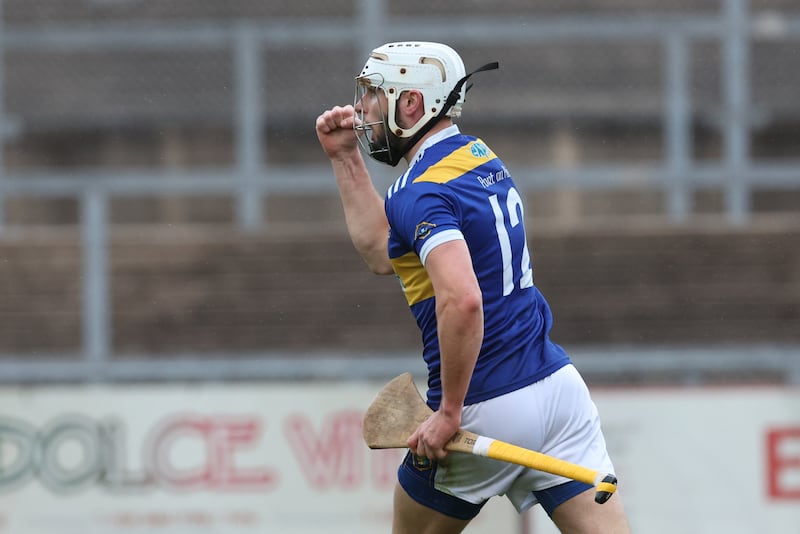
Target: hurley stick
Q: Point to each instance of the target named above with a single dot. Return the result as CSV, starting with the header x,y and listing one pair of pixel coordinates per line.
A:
x,y
399,409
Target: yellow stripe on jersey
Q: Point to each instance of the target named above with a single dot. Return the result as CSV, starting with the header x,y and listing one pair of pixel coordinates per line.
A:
x,y
413,277
457,163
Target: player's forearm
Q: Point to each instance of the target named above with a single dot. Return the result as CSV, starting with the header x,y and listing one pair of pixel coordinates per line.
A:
x,y
460,323
364,212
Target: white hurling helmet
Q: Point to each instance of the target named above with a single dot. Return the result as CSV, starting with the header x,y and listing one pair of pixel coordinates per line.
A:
x,y
433,69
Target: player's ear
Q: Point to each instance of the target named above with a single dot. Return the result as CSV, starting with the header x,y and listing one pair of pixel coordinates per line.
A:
x,y
410,108
411,103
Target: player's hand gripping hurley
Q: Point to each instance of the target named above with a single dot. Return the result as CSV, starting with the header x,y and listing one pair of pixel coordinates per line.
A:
x,y
398,410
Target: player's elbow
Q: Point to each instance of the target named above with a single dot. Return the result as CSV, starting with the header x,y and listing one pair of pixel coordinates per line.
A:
x,y
472,303
375,255
379,265
381,269
466,303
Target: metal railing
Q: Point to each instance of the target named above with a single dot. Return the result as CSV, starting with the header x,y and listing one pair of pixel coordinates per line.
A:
x,y
250,179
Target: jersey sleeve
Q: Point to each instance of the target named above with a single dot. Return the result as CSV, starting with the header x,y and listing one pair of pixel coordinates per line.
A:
x,y
426,218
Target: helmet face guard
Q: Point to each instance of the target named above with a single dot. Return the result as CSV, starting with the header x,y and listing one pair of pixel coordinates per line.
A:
x,y
376,138
433,69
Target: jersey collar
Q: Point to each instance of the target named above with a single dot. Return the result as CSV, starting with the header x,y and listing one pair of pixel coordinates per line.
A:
x,y
450,131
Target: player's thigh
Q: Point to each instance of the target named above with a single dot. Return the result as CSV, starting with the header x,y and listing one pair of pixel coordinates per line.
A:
x,y
582,515
410,517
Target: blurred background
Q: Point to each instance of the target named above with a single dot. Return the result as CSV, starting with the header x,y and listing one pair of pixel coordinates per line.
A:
x,y
164,196
167,217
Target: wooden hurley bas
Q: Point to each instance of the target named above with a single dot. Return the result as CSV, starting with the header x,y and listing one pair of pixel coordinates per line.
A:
x,y
399,409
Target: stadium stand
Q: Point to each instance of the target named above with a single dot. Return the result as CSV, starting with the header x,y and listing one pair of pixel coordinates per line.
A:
x,y
98,88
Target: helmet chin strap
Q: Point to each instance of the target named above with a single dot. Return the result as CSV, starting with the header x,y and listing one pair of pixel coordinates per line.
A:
x,y
392,150
397,147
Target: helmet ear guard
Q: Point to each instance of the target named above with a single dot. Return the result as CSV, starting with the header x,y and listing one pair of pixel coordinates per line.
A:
x,y
433,69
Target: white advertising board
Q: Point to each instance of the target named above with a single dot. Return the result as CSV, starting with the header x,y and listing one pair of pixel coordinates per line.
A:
x,y
223,459
704,460
288,458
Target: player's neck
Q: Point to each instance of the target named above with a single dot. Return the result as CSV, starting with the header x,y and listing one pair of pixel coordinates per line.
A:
x,y
438,127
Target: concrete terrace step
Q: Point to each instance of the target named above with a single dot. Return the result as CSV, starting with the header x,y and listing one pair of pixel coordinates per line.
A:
x,y
179,290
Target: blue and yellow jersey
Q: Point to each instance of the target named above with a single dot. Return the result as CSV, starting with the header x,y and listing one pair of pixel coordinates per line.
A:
x,y
457,188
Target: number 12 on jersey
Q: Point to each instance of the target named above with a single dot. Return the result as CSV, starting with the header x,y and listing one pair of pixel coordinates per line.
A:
x,y
515,217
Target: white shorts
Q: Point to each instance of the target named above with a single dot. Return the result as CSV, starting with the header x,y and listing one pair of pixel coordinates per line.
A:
x,y
555,416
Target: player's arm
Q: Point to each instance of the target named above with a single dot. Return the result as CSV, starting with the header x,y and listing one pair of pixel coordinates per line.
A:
x,y
363,212
459,316
363,207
